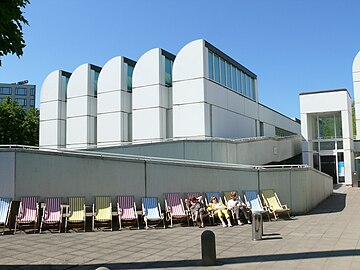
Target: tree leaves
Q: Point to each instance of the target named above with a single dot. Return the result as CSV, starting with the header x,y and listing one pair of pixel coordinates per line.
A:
x,y
11,20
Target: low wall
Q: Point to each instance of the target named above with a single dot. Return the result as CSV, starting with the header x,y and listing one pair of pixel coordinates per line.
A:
x,y
43,173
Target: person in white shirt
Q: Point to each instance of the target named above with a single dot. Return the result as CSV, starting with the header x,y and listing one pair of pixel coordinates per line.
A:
x,y
236,205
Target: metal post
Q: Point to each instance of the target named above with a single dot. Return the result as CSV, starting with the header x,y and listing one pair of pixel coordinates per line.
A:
x,y
208,248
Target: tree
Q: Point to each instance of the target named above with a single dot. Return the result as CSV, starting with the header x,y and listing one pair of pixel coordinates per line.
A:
x,y
353,118
18,126
11,20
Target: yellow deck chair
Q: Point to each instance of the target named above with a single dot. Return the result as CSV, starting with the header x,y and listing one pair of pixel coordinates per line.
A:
x,y
77,212
273,203
102,213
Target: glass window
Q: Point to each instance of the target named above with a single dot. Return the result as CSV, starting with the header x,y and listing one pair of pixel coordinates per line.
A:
x,y
130,70
64,84
32,91
5,90
228,74
211,65
340,145
316,147
238,76
222,72
327,145
233,77
314,127
243,83
20,91
338,125
326,127
168,72
216,68
21,101
32,102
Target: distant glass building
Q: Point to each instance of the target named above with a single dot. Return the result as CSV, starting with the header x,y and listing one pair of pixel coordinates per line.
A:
x,y
24,93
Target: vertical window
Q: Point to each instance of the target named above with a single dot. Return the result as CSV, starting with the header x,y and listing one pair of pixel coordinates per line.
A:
x,y
338,125
228,74
243,83
64,84
216,68
21,91
130,70
21,101
233,76
168,72
238,76
32,92
222,72
211,65
32,102
95,77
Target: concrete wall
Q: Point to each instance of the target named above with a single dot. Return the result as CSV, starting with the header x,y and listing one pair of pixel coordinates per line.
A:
x,y
223,151
45,173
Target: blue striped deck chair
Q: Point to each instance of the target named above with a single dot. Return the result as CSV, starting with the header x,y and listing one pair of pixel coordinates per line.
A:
x,y
151,211
208,195
252,199
5,206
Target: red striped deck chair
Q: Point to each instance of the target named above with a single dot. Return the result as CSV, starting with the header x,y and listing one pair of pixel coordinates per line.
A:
x,y
52,213
126,208
175,208
5,207
28,213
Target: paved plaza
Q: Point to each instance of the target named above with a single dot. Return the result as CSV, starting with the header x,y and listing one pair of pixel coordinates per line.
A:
x,y
326,238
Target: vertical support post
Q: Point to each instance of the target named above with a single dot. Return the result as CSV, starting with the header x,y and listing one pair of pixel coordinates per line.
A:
x,y
208,248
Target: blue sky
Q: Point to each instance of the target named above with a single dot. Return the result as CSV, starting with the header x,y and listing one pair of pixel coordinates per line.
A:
x,y
293,46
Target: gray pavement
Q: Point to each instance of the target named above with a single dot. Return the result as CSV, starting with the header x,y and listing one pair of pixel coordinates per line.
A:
x,y
326,238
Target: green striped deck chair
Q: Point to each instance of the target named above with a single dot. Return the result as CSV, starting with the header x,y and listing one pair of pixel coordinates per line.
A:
x,y
77,212
102,212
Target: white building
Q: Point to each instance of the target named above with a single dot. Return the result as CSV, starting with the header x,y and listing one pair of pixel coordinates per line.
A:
x,y
199,94
327,133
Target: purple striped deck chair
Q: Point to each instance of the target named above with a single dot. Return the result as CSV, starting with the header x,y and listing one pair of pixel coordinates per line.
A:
x,y
5,207
151,211
28,213
175,208
126,208
52,213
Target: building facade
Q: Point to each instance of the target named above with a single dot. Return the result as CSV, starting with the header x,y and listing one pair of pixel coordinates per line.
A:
x,y
22,92
199,93
327,133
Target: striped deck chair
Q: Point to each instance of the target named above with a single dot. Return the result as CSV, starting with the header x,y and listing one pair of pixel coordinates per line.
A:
x,y
77,212
52,213
273,203
5,207
126,208
28,213
227,196
151,211
208,195
174,207
102,212
189,195
252,199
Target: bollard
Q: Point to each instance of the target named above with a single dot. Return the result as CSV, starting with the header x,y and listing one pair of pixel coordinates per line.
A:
x,y
208,248
257,226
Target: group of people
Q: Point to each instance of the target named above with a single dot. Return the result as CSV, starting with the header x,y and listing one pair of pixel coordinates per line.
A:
x,y
219,209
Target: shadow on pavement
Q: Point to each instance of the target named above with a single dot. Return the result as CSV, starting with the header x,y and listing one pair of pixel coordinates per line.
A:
x,y
336,202
198,262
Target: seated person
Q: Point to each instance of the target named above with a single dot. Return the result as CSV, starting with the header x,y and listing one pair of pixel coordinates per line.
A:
x,y
197,209
236,205
220,210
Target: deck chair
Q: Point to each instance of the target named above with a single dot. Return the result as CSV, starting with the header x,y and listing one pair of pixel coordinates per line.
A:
x,y
126,208
102,212
208,196
28,213
151,211
52,213
188,195
77,212
273,203
252,199
227,196
5,207
174,207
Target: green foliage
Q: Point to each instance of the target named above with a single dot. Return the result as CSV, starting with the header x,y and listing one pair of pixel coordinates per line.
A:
x,y
18,126
11,20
